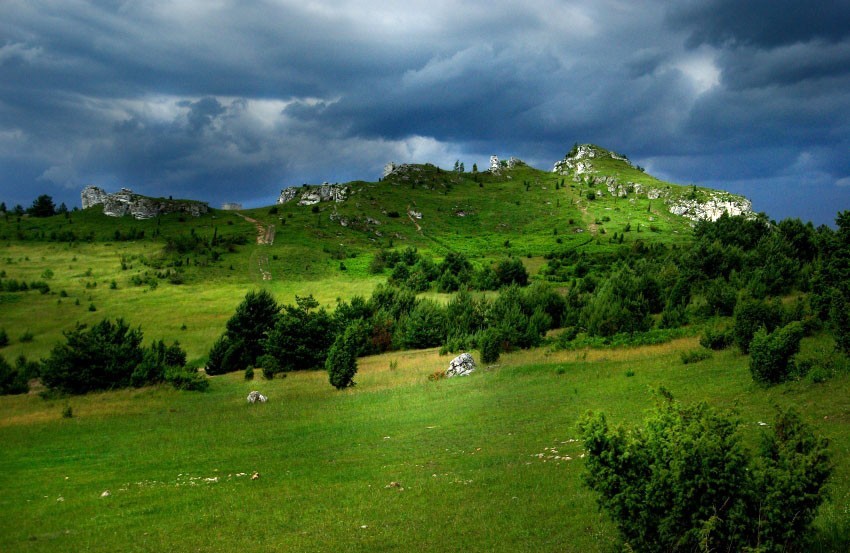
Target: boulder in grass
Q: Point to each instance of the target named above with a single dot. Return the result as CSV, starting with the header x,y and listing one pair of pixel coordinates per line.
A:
x,y
462,365
255,397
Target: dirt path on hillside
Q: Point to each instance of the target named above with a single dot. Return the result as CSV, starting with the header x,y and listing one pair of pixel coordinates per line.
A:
x,y
265,237
413,220
265,234
592,227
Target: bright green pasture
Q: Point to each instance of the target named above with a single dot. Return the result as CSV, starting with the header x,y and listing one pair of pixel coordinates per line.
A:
x,y
398,463
193,313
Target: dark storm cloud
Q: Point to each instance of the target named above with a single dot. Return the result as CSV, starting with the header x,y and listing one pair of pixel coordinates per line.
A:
x,y
231,100
761,23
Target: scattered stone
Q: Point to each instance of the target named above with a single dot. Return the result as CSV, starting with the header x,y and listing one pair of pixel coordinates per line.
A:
x,y
395,485
462,365
255,476
256,396
105,493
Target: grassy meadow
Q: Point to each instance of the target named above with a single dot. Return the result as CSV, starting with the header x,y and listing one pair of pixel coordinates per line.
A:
x,y
489,462
484,463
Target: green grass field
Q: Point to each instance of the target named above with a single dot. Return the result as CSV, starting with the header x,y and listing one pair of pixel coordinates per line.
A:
x,y
399,463
484,463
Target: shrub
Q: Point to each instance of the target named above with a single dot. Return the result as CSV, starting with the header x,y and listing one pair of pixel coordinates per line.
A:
x,y
511,271
301,336
490,345
4,338
695,356
341,362
752,314
255,316
716,339
424,327
98,358
249,373
186,378
684,482
26,337
12,380
771,353
225,356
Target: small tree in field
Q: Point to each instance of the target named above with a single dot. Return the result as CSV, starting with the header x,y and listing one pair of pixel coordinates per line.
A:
x,y
341,362
685,482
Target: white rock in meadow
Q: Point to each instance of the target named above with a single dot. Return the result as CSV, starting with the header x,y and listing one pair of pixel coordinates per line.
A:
x,y
462,365
256,396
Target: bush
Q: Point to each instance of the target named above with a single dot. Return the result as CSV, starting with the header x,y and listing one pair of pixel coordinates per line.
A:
x,y
225,356
12,380
253,319
752,314
99,358
771,353
186,378
684,481
249,373
301,336
490,345
424,327
695,356
26,337
4,338
511,271
341,362
716,339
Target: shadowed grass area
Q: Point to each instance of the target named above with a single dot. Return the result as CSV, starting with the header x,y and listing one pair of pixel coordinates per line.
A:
x,y
484,463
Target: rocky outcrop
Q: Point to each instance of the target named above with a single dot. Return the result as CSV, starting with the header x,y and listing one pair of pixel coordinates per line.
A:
x,y
311,195
462,365
577,162
712,208
127,202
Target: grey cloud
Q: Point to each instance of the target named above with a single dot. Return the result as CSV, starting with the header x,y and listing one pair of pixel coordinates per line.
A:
x,y
761,23
216,99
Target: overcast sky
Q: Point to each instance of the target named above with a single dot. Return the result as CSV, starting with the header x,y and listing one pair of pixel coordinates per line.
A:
x,y
225,100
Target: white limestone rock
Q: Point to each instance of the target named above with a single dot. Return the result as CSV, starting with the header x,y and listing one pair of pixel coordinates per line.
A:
x,y
462,365
256,397
127,202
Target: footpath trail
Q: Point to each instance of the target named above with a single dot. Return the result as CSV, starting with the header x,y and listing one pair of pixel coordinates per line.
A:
x,y
265,237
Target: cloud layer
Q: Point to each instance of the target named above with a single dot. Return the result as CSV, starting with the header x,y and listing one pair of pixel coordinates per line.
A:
x,y
230,101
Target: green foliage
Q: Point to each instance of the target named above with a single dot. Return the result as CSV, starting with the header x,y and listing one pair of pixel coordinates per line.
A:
x,y
341,362
695,356
255,316
156,361
249,373
771,353
617,306
4,338
186,378
716,338
42,207
301,336
511,271
225,356
424,327
98,358
490,345
752,314
684,481
12,380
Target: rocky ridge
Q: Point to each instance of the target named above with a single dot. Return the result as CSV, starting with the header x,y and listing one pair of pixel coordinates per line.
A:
x,y
127,202
696,205
311,195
